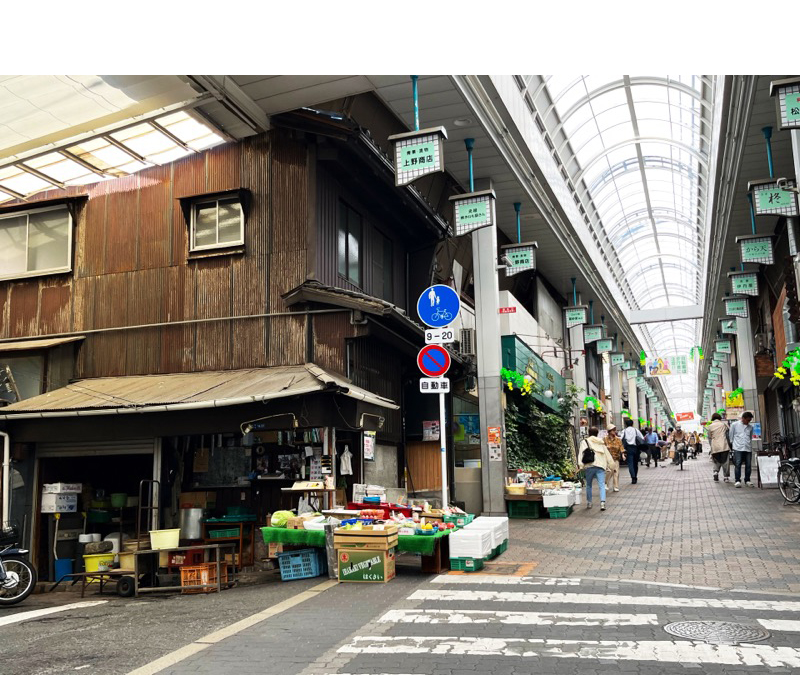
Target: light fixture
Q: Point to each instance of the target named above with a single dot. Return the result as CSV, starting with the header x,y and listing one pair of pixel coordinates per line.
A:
x,y
462,122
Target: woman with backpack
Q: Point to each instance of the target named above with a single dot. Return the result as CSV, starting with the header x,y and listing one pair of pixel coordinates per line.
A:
x,y
594,460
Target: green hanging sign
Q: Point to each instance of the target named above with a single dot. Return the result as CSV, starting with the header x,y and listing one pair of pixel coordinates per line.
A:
x,y
473,211
631,374
736,307
417,154
592,334
774,199
728,326
618,360
576,316
744,283
723,346
605,346
793,107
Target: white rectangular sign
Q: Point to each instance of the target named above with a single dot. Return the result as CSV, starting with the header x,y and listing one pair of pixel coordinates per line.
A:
x,y
434,385
439,336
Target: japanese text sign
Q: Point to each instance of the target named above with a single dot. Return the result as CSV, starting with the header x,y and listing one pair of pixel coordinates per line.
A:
x,y
576,316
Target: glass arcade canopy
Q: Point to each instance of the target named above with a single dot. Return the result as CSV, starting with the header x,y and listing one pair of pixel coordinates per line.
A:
x,y
636,152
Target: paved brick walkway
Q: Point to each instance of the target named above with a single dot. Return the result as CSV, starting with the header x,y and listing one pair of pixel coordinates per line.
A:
x,y
673,526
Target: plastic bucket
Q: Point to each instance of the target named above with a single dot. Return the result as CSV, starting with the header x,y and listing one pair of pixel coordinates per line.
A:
x,y
119,499
163,539
63,568
92,562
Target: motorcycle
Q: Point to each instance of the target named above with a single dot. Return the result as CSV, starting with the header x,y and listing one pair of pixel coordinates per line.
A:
x,y
17,575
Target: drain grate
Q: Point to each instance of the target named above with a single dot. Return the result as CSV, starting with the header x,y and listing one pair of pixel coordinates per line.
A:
x,y
717,632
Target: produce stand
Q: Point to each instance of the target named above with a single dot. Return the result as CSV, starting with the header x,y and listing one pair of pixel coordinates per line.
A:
x,y
208,548
434,548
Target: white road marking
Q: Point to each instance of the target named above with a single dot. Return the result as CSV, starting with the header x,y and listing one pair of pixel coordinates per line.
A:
x,y
440,616
602,599
621,650
35,613
502,579
781,625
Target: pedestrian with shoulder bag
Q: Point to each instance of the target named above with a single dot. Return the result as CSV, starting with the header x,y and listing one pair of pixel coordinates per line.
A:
x,y
632,440
594,460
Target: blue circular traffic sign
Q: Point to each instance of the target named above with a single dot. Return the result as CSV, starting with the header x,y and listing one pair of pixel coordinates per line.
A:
x,y
433,360
438,306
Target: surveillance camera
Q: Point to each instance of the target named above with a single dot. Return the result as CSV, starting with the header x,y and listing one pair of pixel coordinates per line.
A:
x,y
783,184
504,259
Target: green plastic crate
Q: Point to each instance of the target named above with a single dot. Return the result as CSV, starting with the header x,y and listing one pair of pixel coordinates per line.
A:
x,y
503,547
520,509
222,534
466,564
559,511
457,520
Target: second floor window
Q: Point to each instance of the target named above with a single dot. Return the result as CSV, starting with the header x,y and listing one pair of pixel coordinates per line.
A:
x,y
217,223
350,235
35,242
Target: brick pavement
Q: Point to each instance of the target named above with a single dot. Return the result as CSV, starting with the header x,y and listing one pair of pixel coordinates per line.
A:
x,y
672,526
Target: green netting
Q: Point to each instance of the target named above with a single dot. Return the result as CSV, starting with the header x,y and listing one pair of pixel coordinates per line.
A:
x,y
411,543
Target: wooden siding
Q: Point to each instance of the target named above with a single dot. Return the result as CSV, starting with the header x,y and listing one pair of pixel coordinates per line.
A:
x,y
423,459
131,267
378,368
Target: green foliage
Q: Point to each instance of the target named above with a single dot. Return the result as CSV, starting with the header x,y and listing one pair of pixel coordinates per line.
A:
x,y
537,440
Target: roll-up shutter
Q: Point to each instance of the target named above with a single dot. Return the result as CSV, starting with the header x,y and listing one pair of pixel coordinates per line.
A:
x,y
141,446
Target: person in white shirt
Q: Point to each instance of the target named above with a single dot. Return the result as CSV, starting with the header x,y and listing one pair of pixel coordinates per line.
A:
x,y
631,439
741,438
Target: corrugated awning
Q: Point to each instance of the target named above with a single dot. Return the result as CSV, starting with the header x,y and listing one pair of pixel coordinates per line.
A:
x,y
26,345
186,391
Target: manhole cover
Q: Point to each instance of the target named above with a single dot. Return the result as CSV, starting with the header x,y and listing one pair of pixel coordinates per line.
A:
x,y
717,632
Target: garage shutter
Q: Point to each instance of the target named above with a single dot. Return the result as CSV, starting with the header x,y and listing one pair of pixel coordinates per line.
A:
x,y
142,446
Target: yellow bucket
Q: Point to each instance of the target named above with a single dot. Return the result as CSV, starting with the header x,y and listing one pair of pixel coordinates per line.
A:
x,y
93,562
516,489
163,539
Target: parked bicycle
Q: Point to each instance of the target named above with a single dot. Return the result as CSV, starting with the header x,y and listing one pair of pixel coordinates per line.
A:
x,y
789,476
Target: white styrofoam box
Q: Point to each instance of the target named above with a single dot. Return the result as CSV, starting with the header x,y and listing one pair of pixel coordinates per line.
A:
x,y
59,503
61,488
496,529
476,543
500,522
559,499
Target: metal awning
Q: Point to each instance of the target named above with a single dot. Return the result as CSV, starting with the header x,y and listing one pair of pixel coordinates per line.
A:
x,y
186,391
27,345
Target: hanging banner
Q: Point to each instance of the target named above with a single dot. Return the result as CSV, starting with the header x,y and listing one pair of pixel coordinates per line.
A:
x,y
630,374
684,417
679,365
605,346
520,257
658,366
418,153
723,346
736,307
576,316
592,334
473,211
727,326
617,359
756,248
744,283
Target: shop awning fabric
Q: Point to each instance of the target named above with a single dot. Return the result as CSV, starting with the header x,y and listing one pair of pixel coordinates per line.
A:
x,y
186,391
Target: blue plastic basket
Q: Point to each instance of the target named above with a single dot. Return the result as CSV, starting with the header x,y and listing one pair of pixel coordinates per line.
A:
x,y
309,562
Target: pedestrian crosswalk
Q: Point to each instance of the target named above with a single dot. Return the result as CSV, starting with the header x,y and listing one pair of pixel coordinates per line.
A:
x,y
477,621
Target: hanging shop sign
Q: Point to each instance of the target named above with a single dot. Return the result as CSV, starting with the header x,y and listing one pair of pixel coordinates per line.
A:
x,y
418,153
734,399
736,307
770,200
639,381
519,257
709,391
679,365
631,374
744,283
617,359
727,326
605,346
787,102
576,316
438,306
592,334
658,366
723,346
714,371
369,445
756,248
627,365
719,357
473,211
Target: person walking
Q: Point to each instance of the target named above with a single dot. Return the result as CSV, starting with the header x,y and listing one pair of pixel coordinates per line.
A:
x,y
614,444
651,438
720,448
631,440
698,444
595,459
741,438
661,444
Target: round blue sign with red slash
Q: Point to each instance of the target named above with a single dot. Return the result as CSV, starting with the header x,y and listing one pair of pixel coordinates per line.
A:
x,y
433,360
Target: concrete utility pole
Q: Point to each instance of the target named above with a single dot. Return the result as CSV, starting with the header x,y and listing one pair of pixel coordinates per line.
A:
x,y
633,398
616,395
579,369
746,366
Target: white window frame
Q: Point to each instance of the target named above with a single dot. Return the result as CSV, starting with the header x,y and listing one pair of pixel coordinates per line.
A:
x,y
40,273
204,201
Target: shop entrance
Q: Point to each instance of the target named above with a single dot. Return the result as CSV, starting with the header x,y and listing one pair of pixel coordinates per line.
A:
x,y
100,476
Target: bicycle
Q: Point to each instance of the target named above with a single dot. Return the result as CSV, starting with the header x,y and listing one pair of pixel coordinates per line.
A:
x,y
441,315
789,477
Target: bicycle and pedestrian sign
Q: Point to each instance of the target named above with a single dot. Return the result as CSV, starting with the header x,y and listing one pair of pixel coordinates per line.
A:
x,y
438,306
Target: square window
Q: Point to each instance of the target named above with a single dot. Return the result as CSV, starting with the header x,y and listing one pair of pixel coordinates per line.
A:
x,y
36,242
217,223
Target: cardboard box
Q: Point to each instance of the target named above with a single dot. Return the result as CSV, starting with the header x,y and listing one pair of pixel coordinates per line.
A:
x,y
369,531
61,488
365,543
273,550
365,566
197,500
59,503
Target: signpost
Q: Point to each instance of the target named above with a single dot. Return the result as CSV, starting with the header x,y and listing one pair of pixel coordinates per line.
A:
x,y
438,306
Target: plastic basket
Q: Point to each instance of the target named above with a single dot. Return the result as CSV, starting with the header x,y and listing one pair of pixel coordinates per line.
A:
x,y
470,517
303,564
520,509
466,564
222,534
200,575
559,511
458,520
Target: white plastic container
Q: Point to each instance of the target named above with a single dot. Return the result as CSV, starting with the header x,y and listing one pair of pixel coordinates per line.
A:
x,y
560,498
476,543
496,530
164,539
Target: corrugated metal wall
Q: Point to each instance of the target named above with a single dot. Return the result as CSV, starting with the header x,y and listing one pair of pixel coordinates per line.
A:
x,y
379,368
131,267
